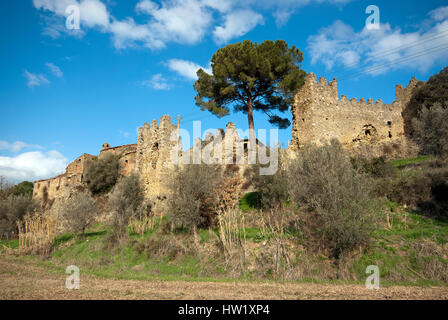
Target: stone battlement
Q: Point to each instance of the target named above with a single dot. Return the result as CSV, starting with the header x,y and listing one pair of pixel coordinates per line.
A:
x,y
320,115
323,88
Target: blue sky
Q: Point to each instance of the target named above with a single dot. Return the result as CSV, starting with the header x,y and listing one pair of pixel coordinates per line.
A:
x,y
66,92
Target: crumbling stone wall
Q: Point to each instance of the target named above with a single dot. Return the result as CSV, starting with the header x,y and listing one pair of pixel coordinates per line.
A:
x,y
126,154
79,165
153,157
118,151
47,190
226,147
368,127
61,186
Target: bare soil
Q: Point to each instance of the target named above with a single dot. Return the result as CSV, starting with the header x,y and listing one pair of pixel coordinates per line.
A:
x,y
19,280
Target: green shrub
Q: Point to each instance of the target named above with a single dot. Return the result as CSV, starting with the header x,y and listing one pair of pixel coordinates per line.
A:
x,y
333,196
272,190
376,168
250,201
12,209
126,201
425,95
194,195
78,212
431,130
381,172
102,174
424,189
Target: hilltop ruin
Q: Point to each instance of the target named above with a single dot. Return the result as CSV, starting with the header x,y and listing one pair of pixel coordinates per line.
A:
x,y
361,126
319,115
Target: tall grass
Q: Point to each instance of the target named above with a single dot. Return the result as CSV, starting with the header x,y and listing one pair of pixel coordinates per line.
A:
x,y
273,228
36,234
232,237
144,224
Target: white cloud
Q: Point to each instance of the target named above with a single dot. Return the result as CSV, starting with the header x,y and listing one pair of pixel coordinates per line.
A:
x,y
283,9
56,6
179,21
124,134
146,6
54,27
32,166
220,5
186,68
35,80
157,82
93,13
237,24
182,21
55,70
439,14
127,33
379,51
17,146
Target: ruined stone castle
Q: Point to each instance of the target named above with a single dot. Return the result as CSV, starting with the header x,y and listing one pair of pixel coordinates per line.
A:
x,y
361,126
319,115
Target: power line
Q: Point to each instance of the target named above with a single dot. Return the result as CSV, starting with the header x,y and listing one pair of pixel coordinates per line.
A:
x,y
401,48
409,45
394,62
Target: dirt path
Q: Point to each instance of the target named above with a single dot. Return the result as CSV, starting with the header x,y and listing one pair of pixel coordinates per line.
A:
x,y
31,281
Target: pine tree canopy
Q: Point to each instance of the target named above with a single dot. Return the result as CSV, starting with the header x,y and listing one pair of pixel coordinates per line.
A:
x,y
248,76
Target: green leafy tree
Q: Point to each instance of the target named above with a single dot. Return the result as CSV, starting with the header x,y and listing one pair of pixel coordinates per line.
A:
x,y
102,174
251,77
431,130
24,188
426,95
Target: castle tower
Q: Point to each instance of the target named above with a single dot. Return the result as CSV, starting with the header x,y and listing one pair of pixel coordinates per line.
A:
x,y
154,149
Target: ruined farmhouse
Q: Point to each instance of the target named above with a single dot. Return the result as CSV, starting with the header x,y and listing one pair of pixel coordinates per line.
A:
x,y
318,113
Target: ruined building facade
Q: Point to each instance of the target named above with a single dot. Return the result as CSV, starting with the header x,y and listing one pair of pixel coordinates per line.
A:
x,y
361,126
319,115
73,179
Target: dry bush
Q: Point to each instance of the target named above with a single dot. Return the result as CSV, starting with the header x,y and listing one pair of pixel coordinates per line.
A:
x,y
279,257
232,239
429,261
167,246
102,174
77,212
6,188
280,254
231,188
144,222
194,195
125,202
333,197
37,233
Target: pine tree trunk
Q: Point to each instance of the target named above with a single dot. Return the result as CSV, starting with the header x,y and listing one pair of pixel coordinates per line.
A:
x,y
252,140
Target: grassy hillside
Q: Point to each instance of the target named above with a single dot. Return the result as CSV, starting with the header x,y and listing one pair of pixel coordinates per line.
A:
x,y
408,246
